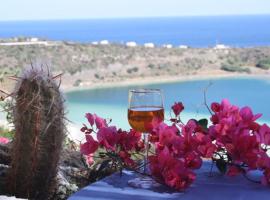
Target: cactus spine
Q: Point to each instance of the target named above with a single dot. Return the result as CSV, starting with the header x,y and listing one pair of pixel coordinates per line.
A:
x,y
39,133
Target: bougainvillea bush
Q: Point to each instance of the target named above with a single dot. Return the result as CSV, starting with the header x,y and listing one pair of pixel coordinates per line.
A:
x,y
232,139
116,147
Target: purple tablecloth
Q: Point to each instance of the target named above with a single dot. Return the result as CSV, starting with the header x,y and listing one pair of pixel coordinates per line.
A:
x,y
216,187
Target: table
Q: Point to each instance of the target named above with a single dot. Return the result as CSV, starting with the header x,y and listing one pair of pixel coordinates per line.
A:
x,y
216,187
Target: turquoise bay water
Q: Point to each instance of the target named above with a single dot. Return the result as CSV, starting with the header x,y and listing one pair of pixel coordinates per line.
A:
x,y
112,102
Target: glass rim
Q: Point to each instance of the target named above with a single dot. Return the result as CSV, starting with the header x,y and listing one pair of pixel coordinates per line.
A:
x,y
145,90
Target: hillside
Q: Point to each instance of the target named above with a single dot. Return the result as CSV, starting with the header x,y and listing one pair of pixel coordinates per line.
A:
x,y
86,64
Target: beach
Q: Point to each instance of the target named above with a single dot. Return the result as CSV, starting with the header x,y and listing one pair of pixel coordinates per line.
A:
x,y
162,79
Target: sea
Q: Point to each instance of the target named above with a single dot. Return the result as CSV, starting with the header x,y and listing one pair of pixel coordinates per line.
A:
x,y
196,31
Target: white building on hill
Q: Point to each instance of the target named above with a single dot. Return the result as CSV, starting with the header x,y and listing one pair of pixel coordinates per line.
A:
x,y
149,45
131,44
34,40
104,42
221,46
183,46
168,46
95,43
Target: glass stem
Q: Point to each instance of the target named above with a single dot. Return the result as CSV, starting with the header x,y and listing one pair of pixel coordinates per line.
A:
x,y
145,138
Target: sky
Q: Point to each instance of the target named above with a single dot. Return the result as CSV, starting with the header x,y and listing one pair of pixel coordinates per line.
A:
x,y
86,9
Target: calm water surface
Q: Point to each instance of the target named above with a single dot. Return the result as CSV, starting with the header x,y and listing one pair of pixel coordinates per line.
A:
x,y
112,102
205,31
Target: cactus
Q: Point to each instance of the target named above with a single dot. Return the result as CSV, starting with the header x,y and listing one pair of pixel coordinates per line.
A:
x,y
38,115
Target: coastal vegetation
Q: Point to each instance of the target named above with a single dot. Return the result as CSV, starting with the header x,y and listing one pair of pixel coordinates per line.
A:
x,y
5,133
235,68
264,64
87,64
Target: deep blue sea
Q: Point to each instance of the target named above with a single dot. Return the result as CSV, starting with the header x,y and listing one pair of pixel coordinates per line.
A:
x,y
242,31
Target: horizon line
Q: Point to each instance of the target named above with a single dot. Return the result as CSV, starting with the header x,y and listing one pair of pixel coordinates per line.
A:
x,y
134,17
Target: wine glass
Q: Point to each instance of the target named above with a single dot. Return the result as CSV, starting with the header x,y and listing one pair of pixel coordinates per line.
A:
x,y
145,108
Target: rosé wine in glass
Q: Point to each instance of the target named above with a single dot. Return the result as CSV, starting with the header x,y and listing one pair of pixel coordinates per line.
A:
x,y
141,118
145,109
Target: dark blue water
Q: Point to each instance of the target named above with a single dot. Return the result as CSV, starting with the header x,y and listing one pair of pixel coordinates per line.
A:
x,y
112,102
241,31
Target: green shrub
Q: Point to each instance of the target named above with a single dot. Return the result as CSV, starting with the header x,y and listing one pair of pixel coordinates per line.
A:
x,y
231,61
97,76
77,83
6,133
162,65
135,69
232,68
131,70
151,66
263,64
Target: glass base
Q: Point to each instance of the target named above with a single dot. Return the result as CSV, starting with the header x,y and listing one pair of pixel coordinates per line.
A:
x,y
143,182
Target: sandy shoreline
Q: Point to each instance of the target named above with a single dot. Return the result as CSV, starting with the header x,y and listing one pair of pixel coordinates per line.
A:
x,y
160,80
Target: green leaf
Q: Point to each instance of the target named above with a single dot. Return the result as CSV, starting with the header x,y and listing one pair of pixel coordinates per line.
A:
x,y
221,165
203,123
102,155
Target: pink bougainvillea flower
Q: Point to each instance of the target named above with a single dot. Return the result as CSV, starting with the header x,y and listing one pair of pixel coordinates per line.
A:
x,y
244,148
122,139
128,140
90,146
171,170
95,119
263,161
205,148
139,146
89,159
247,114
189,128
126,158
190,140
215,107
193,160
156,121
248,119
84,129
266,178
108,137
167,136
263,134
154,134
234,171
179,178
4,140
100,122
91,118
159,162
177,108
